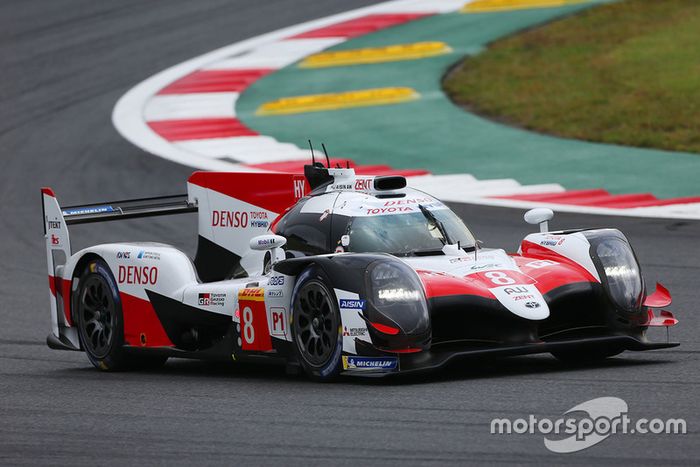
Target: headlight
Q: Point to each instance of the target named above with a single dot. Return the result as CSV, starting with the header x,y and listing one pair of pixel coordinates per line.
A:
x,y
397,293
621,271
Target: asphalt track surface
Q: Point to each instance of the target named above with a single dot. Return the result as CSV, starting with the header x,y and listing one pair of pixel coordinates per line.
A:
x,y
64,65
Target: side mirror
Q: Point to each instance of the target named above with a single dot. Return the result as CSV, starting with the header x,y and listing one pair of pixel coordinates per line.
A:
x,y
271,242
540,216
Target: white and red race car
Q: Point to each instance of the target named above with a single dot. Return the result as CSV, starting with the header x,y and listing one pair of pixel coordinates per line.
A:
x,y
336,273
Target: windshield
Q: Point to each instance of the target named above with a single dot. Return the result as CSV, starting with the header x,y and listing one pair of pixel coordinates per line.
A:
x,y
425,231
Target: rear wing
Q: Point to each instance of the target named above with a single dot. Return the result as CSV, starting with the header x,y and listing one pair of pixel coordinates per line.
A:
x,y
128,209
58,249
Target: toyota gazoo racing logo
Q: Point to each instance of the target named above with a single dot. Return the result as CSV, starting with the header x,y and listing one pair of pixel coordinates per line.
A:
x,y
370,363
586,425
204,299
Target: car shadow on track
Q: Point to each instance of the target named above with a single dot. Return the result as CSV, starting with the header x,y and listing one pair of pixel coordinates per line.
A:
x,y
460,371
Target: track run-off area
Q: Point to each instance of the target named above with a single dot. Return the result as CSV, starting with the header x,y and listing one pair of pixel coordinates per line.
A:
x,y
67,64
254,104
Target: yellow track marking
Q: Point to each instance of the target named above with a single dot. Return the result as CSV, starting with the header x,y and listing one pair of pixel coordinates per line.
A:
x,y
390,53
340,100
482,6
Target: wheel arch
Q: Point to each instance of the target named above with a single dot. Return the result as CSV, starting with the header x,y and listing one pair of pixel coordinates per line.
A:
x,y
75,274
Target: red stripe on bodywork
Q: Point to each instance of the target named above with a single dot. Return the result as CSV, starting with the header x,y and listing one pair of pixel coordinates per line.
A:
x,y
140,319
215,81
438,284
550,277
272,191
359,26
535,251
52,285
58,284
200,128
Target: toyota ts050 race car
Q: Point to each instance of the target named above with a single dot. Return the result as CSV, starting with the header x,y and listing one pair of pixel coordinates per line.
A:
x,y
335,273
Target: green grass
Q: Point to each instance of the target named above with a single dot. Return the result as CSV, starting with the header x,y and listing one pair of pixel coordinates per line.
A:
x,y
624,73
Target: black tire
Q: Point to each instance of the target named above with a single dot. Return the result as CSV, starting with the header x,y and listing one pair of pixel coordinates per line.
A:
x,y
586,356
98,315
316,325
100,322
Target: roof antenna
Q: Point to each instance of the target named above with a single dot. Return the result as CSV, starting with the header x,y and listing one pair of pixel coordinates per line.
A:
x,y
313,158
328,159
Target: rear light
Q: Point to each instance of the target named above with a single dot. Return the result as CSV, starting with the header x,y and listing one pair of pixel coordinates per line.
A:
x,y
383,328
406,350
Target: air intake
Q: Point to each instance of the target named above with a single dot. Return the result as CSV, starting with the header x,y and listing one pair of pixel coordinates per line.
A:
x,y
390,182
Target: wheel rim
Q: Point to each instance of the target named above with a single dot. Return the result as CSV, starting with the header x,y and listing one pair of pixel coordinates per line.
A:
x,y
98,315
315,323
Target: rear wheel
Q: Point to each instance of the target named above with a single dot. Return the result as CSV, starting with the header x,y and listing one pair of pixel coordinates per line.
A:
x,y
316,325
100,323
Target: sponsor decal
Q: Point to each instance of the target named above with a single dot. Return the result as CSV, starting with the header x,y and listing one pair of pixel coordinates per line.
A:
x,y
299,187
552,240
148,255
140,275
54,224
340,186
256,294
339,249
354,332
254,330
391,210
55,240
266,241
123,255
363,184
403,202
532,305
519,298
278,326
239,219
370,363
87,210
512,290
460,259
278,293
352,304
543,263
276,280
211,299
478,267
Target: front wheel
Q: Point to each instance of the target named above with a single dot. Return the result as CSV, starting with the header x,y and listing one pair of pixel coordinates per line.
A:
x,y
316,325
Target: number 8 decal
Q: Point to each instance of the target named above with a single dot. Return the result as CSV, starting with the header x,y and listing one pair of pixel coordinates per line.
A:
x,y
499,278
248,330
